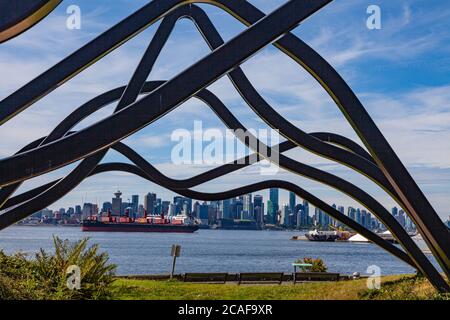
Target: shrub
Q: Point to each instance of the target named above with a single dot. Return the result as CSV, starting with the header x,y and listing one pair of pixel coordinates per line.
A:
x,y
45,277
317,264
16,279
404,288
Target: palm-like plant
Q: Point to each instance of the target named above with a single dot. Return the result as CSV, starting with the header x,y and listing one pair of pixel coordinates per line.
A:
x,y
96,274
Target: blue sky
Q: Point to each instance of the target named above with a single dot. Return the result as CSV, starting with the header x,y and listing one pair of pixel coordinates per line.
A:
x,y
401,73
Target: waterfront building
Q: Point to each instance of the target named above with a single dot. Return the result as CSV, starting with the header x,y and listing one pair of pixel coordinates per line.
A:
x,y
187,205
135,203
178,205
410,226
341,209
299,216
369,221
225,209
326,221
89,209
126,208
270,218
158,206
203,213
182,205
285,214
116,204
259,216
258,203
38,215
304,218
214,211
401,218
333,222
274,197
165,207
358,216
247,207
238,208
47,213
141,211
351,213
56,215
232,208
273,206
196,209
306,211
70,212
394,211
322,220
292,220
295,220
364,218
107,206
291,201
150,203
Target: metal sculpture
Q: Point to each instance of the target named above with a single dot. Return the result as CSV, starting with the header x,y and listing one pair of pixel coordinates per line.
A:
x,y
17,16
62,146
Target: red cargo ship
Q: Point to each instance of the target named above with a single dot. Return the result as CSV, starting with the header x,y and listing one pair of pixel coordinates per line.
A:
x,y
146,224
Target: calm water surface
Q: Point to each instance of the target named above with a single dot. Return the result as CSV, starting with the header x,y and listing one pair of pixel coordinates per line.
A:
x,y
209,250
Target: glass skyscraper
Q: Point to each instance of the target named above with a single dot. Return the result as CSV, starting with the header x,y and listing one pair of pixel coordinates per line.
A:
x,y
258,209
273,205
292,201
225,208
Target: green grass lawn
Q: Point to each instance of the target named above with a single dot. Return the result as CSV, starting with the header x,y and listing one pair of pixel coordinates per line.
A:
x,y
393,287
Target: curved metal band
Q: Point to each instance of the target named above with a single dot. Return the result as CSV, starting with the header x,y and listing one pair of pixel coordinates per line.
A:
x,y
242,46
27,15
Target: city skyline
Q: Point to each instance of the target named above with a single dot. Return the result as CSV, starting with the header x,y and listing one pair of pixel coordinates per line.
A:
x,y
297,214
292,199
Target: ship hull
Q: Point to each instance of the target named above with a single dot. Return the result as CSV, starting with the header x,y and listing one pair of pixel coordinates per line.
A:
x,y
322,238
136,227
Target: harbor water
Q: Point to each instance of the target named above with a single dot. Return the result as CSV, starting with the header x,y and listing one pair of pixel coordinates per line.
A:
x,y
209,250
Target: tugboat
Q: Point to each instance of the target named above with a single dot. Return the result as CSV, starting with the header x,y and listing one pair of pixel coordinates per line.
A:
x,y
153,223
323,236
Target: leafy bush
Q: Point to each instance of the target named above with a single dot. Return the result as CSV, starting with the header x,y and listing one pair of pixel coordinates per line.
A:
x,y
11,290
45,277
317,264
16,280
405,288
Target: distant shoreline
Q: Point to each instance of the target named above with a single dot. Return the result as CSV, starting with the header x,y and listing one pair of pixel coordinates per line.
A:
x,y
227,229
45,225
